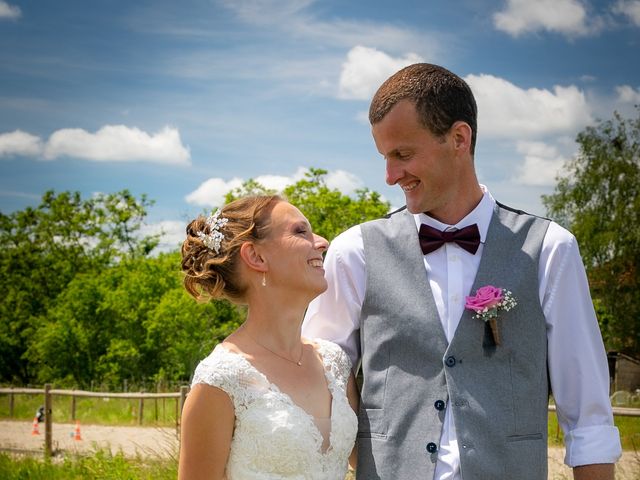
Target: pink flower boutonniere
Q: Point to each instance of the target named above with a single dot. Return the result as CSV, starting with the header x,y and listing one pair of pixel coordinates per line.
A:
x,y
487,302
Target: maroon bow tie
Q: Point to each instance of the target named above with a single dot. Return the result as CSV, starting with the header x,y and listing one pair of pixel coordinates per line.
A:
x,y
432,239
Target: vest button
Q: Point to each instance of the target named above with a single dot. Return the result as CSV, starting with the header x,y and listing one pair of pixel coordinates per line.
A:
x,y
439,404
432,447
450,361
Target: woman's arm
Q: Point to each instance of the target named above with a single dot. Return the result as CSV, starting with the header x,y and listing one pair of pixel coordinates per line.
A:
x,y
207,428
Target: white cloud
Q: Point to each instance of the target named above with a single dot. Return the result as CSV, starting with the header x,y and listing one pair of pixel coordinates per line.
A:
x,y
119,143
211,193
19,143
542,163
11,12
261,11
627,94
279,182
344,181
508,111
366,68
172,234
630,8
297,20
568,17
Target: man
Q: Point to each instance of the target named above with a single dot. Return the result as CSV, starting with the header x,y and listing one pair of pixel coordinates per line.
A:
x,y
443,395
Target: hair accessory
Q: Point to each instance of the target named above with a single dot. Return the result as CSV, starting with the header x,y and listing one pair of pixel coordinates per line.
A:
x,y
213,239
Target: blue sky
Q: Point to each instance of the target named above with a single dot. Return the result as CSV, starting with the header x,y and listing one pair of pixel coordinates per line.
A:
x,y
184,100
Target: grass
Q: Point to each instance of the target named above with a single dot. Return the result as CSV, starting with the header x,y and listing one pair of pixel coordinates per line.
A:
x,y
100,466
105,466
99,411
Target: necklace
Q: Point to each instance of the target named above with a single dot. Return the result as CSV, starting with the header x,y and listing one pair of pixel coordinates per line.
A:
x,y
299,362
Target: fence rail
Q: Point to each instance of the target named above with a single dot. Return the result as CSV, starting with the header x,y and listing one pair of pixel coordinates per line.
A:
x,y
617,411
49,392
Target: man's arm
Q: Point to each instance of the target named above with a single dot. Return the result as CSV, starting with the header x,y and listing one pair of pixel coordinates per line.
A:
x,y
335,315
599,471
578,367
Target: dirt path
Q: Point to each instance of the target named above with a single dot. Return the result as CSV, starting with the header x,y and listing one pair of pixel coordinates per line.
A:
x,y
155,441
132,441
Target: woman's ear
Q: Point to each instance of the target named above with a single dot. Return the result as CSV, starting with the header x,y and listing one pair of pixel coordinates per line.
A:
x,y
252,257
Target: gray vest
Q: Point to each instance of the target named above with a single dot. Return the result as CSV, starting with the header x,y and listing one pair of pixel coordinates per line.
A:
x,y
499,394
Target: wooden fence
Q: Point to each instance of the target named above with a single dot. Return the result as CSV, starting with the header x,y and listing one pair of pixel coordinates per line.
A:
x,y
141,397
74,394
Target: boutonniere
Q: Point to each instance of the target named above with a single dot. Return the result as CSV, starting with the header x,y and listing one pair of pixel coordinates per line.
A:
x,y
487,302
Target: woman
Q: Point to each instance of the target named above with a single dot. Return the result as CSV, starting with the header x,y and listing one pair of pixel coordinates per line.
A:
x,y
266,404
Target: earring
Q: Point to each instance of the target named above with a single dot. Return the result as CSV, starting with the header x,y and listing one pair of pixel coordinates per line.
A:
x,y
264,279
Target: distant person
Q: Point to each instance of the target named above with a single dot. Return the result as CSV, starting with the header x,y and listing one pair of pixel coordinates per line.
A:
x,y
266,404
462,311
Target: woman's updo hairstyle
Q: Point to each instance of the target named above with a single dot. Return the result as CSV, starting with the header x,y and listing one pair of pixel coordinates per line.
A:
x,y
214,274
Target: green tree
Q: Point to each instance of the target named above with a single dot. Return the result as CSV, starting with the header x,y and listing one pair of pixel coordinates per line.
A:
x,y
329,211
598,199
132,321
42,249
84,302
250,187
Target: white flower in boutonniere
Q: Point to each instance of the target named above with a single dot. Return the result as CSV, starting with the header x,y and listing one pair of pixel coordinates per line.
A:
x,y
487,302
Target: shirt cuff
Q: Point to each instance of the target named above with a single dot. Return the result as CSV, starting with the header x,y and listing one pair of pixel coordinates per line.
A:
x,y
589,445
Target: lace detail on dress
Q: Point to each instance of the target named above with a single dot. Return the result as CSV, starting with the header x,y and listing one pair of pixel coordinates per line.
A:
x,y
274,439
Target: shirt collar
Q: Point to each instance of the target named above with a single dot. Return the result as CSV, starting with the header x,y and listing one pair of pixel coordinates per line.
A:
x,y
480,215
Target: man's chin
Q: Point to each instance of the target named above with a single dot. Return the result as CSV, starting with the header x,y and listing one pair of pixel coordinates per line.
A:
x,y
414,207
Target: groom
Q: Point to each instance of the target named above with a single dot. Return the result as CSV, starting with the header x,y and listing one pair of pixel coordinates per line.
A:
x,y
444,396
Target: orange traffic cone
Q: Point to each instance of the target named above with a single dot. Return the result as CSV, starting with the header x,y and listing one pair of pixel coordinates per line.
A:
x,y
77,435
34,430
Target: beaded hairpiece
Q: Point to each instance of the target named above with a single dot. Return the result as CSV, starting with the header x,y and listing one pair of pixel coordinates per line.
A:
x,y
213,239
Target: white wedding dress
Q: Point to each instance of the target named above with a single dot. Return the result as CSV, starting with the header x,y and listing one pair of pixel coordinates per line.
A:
x,y
273,438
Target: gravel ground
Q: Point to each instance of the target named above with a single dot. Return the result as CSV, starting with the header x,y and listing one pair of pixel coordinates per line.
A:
x,y
155,441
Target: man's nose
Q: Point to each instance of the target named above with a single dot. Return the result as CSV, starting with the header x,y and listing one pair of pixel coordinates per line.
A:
x,y
392,173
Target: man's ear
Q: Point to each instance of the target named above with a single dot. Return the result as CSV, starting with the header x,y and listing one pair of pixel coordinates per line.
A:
x,y
252,257
461,135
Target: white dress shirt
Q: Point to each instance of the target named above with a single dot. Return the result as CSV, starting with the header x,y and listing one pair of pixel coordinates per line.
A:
x,y
578,368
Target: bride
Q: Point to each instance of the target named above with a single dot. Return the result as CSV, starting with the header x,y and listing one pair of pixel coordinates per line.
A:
x,y
266,403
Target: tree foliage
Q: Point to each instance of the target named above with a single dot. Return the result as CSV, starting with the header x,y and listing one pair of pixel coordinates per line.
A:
x,y
328,210
133,321
598,199
42,249
85,302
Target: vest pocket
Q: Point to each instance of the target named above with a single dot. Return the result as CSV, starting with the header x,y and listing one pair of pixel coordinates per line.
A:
x,y
372,423
526,457
523,438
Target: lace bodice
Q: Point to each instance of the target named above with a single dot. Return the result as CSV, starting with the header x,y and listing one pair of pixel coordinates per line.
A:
x,y
275,439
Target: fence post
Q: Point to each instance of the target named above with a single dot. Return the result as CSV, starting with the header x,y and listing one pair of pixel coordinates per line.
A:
x,y
73,408
155,401
141,408
11,403
48,423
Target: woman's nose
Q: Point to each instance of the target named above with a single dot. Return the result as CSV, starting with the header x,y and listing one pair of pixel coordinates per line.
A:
x,y
321,243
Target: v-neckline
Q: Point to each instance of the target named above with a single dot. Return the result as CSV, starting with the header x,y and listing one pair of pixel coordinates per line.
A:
x,y
274,388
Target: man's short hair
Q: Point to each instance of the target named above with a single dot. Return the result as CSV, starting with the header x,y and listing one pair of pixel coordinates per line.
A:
x,y
441,98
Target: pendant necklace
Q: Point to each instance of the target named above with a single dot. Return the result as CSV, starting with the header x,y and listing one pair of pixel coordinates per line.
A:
x,y
299,362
